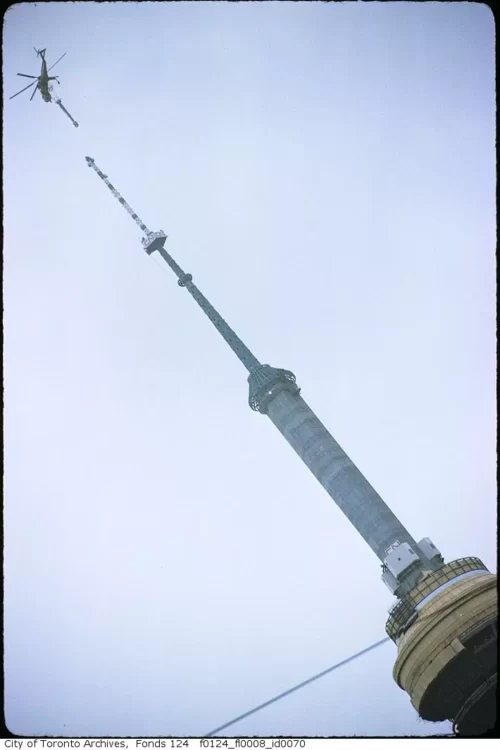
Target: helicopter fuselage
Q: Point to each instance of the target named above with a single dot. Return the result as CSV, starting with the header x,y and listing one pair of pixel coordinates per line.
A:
x,y
43,82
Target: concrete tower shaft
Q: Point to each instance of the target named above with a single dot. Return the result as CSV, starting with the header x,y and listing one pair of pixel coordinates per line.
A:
x,y
333,468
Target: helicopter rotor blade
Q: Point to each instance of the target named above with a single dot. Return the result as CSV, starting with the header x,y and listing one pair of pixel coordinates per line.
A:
x,y
53,66
25,75
24,89
34,92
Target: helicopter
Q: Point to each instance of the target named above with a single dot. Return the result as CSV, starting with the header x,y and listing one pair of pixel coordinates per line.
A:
x,y
43,84
42,81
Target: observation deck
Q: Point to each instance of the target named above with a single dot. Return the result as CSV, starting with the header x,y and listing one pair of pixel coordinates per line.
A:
x,y
446,632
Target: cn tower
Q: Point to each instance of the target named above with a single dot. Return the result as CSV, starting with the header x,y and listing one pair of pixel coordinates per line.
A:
x,y
444,620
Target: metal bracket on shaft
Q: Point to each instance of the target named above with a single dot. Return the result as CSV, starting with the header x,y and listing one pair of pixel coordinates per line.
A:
x,y
153,241
184,279
265,382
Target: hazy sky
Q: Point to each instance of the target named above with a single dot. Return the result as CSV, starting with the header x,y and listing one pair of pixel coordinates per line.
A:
x,y
327,174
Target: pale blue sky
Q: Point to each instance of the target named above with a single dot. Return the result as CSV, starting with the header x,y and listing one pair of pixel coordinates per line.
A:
x,y
327,173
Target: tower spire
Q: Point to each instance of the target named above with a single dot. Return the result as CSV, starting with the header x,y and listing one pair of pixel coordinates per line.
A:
x,y
155,241
274,391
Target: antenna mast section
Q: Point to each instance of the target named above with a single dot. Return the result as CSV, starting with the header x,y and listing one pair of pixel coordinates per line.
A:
x,y
58,101
153,240
61,105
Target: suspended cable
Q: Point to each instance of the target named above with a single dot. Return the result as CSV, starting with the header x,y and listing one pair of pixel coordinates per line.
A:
x,y
317,676
296,687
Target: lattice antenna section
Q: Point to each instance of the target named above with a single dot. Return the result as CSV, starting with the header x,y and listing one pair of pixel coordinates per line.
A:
x,y
153,240
238,347
61,105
